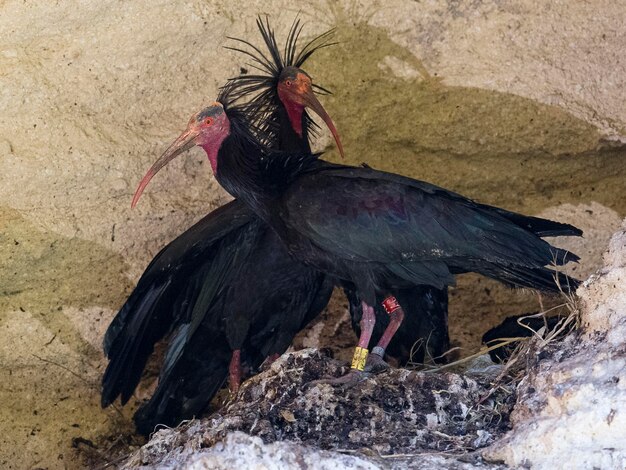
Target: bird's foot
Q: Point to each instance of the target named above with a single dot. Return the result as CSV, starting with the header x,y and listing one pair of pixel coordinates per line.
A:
x,y
375,363
356,374
346,381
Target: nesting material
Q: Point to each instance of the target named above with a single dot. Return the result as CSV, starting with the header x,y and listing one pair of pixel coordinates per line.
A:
x,y
395,413
571,406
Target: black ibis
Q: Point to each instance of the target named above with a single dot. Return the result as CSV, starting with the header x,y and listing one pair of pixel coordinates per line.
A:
x,y
226,291
376,230
278,93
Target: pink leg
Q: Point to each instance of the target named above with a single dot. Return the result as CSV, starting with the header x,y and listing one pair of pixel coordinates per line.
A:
x,y
272,358
368,320
234,372
396,314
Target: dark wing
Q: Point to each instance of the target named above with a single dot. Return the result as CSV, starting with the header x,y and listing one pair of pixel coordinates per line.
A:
x,y
537,225
178,254
193,371
172,290
362,215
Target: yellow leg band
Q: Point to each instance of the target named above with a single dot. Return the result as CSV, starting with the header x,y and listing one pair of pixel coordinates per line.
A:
x,y
360,358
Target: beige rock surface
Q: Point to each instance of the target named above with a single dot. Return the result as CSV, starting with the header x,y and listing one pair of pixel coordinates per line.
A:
x,y
508,102
560,53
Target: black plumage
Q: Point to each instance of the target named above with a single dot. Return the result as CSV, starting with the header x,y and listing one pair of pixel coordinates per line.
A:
x,y
167,294
381,230
229,315
425,330
328,234
520,326
376,230
224,285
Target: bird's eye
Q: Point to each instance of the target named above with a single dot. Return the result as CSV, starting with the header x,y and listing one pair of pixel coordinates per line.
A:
x,y
208,121
288,82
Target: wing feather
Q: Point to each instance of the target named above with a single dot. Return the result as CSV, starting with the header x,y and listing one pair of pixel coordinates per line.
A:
x,y
365,216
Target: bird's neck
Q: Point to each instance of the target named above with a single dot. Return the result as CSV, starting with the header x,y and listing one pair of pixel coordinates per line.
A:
x,y
238,168
255,174
212,153
295,112
258,176
293,138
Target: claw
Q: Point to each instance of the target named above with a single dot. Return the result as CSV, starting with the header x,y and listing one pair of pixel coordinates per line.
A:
x,y
267,363
348,380
375,364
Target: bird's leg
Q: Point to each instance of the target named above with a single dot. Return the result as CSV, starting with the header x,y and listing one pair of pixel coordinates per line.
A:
x,y
234,372
368,320
356,374
376,362
269,360
272,358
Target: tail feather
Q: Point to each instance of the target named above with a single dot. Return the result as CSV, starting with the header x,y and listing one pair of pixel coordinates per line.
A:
x,y
190,378
561,256
539,226
167,292
130,349
542,279
182,298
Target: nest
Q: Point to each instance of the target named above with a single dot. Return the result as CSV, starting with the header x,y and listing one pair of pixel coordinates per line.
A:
x,y
452,410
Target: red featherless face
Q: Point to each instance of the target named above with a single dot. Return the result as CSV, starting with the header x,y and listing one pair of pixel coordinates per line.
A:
x,y
295,91
207,129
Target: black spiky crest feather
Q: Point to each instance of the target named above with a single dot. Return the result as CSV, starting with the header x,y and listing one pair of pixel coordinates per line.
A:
x,y
250,150
259,91
245,127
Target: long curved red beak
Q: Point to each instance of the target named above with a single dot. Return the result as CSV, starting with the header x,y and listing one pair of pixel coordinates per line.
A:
x,y
298,94
311,101
184,142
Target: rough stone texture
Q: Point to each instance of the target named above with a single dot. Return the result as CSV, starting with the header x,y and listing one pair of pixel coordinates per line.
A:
x,y
571,407
604,299
509,102
242,451
559,53
391,414
238,450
